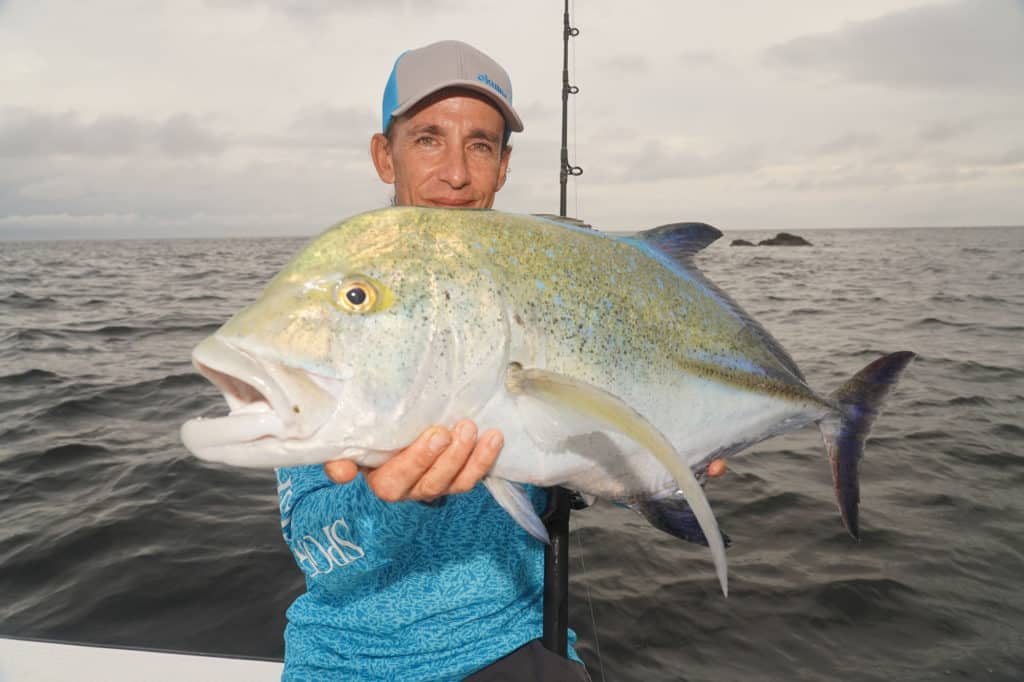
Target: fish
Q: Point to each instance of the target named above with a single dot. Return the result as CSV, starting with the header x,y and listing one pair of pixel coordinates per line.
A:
x,y
612,364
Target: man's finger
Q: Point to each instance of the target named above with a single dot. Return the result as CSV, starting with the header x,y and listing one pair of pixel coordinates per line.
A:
x,y
436,481
393,480
716,468
480,461
341,470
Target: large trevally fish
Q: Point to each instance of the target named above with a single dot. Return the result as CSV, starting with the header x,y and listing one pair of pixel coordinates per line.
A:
x,y
612,365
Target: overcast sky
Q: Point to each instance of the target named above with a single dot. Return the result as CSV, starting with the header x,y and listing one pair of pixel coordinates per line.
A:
x,y
252,117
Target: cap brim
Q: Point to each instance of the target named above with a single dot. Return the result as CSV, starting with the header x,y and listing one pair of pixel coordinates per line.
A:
x,y
515,123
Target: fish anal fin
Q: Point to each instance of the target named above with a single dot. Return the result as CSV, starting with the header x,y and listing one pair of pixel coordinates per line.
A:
x,y
672,515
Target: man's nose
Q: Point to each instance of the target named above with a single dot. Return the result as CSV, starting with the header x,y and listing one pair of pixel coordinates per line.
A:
x,y
454,167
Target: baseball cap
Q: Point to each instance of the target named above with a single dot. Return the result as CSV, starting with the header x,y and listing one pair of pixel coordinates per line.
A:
x,y
449,63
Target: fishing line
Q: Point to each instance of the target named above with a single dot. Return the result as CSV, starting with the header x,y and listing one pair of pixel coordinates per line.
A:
x,y
590,601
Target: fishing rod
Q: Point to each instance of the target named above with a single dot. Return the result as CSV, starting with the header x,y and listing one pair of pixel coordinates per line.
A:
x,y
560,500
567,168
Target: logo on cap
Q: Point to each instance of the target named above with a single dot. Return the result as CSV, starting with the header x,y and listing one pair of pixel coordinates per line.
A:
x,y
484,78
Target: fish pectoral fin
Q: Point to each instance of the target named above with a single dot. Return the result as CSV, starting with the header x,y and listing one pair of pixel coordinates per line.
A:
x,y
514,500
568,394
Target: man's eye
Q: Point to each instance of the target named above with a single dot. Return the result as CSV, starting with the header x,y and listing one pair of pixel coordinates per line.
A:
x,y
426,141
482,148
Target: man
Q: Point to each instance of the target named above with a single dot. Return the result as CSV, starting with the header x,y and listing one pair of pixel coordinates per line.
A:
x,y
405,579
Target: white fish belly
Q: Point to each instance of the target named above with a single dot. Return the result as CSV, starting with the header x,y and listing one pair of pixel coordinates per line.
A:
x,y
701,418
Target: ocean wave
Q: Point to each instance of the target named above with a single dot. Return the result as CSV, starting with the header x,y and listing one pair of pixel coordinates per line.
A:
x,y
865,598
91,333
770,504
30,377
139,399
985,456
935,321
1007,430
18,299
34,472
204,298
21,336
981,372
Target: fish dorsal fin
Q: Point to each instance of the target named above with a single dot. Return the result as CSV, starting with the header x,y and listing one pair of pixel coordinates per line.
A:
x,y
680,241
563,220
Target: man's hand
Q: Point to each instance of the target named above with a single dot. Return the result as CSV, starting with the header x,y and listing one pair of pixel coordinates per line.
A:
x,y
439,462
716,468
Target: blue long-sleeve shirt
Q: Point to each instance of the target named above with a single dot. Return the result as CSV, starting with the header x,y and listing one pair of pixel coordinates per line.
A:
x,y
405,591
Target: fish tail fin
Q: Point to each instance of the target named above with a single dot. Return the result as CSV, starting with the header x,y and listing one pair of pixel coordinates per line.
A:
x,y
857,403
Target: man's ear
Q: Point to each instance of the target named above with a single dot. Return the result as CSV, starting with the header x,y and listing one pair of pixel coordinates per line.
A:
x,y
380,152
506,154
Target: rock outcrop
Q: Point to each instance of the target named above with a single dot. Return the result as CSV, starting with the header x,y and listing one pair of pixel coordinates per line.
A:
x,y
785,239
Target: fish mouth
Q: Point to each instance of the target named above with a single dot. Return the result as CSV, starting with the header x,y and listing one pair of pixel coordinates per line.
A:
x,y
275,411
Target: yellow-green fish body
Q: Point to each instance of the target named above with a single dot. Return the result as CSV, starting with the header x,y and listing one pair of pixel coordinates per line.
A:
x,y
611,365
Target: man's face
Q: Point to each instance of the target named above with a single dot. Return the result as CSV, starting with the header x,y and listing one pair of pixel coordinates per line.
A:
x,y
445,152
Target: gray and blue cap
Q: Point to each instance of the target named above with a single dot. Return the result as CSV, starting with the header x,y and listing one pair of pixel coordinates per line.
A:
x,y
448,64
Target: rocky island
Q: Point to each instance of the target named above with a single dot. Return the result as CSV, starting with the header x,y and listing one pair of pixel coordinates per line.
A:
x,y
785,239
780,239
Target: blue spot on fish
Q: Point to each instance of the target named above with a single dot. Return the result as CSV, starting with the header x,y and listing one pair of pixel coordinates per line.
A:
x,y
540,285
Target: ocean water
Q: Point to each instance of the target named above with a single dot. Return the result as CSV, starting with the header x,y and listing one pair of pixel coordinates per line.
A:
x,y
110,532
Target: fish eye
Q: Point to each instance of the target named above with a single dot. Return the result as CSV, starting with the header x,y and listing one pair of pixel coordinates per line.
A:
x,y
356,296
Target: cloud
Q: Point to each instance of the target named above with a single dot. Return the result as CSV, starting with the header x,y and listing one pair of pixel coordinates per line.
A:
x,y
712,63
121,225
942,131
331,127
41,134
311,9
62,172
657,160
628,63
1010,157
850,142
971,44
275,193
36,134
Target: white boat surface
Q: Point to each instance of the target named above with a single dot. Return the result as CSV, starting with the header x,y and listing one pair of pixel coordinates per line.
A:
x,y
28,660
